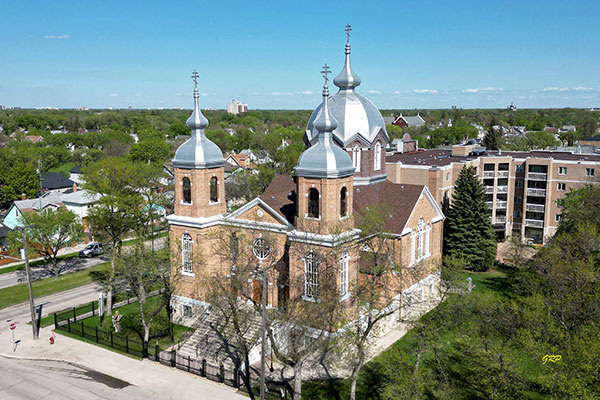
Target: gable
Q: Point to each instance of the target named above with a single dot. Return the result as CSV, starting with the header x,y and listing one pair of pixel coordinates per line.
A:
x,y
258,213
425,207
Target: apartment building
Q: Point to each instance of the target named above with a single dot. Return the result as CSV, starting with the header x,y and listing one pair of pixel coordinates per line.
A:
x,y
236,107
521,187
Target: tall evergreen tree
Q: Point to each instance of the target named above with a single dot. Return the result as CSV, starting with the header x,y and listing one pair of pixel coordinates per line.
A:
x,y
469,234
491,140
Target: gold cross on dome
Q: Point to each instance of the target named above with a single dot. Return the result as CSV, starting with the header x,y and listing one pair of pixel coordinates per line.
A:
x,y
195,78
348,30
325,72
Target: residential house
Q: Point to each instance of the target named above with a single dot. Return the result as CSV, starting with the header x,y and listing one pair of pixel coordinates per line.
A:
x,y
53,182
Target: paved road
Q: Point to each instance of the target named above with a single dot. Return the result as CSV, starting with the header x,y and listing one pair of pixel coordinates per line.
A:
x,y
51,303
26,380
71,265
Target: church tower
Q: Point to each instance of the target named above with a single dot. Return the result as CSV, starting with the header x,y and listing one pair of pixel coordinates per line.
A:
x,y
324,178
199,170
360,129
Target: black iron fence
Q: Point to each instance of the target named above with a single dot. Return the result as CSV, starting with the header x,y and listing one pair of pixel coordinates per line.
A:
x,y
71,322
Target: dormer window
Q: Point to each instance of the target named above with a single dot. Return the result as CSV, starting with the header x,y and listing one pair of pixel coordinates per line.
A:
x,y
356,158
214,194
313,203
187,190
377,157
343,202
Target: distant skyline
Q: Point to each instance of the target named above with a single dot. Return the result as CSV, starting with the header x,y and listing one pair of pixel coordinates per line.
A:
x,y
420,54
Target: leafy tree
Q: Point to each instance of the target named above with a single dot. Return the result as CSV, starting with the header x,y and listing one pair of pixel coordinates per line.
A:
x,y
18,177
469,234
119,209
48,231
153,151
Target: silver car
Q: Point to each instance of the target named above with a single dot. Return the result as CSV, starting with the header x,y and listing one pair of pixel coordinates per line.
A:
x,y
91,250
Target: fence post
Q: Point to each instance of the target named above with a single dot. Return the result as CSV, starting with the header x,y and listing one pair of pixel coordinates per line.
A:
x,y
96,334
111,339
189,362
69,324
203,370
236,378
74,315
126,344
55,321
221,373
173,356
156,353
93,309
82,330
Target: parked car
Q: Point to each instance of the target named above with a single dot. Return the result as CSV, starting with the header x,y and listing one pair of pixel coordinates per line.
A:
x,y
91,250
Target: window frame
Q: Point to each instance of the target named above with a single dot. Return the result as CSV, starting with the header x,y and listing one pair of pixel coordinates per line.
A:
x,y
260,248
377,157
344,275
560,185
356,155
311,276
186,190
312,206
343,202
213,187
187,254
561,169
589,172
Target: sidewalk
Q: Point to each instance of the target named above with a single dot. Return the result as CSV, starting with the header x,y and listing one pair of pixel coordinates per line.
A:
x,y
165,382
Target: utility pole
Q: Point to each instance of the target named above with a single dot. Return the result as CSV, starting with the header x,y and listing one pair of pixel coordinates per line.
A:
x,y
263,344
28,272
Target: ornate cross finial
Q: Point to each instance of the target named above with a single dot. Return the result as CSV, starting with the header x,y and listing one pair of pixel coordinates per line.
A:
x,y
325,72
348,30
195,78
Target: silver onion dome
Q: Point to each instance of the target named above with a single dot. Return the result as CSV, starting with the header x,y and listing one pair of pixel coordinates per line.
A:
x,y
324,159
198,151
357,116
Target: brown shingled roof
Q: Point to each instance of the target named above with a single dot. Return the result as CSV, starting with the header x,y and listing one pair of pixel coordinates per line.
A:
x,y
281,196
400,199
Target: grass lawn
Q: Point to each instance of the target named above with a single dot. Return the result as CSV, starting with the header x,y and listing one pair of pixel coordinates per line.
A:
x,y
493,282
19,293
37,263
12,269
63,169
94,322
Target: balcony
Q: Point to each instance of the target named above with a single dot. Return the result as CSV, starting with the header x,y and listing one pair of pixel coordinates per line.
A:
x,y
535,207
502,189
502,174
489,174
501,204
500,220
536,192
489,189
534,223
490,204
537,176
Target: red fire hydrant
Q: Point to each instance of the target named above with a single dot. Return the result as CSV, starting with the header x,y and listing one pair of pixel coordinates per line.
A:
x,y
52,337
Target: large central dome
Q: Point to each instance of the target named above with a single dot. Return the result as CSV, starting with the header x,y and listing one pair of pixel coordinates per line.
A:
x,y
356,115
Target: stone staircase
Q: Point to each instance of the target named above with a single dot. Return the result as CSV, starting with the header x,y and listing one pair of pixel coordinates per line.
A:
x,y
211,340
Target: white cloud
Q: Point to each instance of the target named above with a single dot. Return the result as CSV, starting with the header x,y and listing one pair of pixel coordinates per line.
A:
x,y
425,91
114,95
584,89
309,92
204,95
374,92
397,92
281,93
556,89
56,37
483,90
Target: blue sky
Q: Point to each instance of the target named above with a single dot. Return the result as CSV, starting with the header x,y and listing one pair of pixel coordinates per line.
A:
x,y
420,54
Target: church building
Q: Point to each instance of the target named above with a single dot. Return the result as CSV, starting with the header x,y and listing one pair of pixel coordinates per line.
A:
x,y
306,217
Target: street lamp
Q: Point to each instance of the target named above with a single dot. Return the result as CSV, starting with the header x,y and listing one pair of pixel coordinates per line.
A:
x,y
25,257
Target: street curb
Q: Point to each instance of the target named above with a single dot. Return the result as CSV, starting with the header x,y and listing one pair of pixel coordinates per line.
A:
x,y
43,359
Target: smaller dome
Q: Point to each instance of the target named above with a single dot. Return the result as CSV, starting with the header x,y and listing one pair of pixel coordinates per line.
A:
x,y
347,79
198,151
324,159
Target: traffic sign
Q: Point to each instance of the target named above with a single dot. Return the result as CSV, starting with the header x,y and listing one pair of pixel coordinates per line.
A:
x,y
13,326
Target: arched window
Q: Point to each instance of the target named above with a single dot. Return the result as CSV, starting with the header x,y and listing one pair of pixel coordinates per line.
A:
x,y
186,253
356,158
234,244
313,203
377,157
344,274
187,190
343,202
420,233
214,194
311,276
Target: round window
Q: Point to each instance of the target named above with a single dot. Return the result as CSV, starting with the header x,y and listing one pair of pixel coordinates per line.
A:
x,y
260,249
